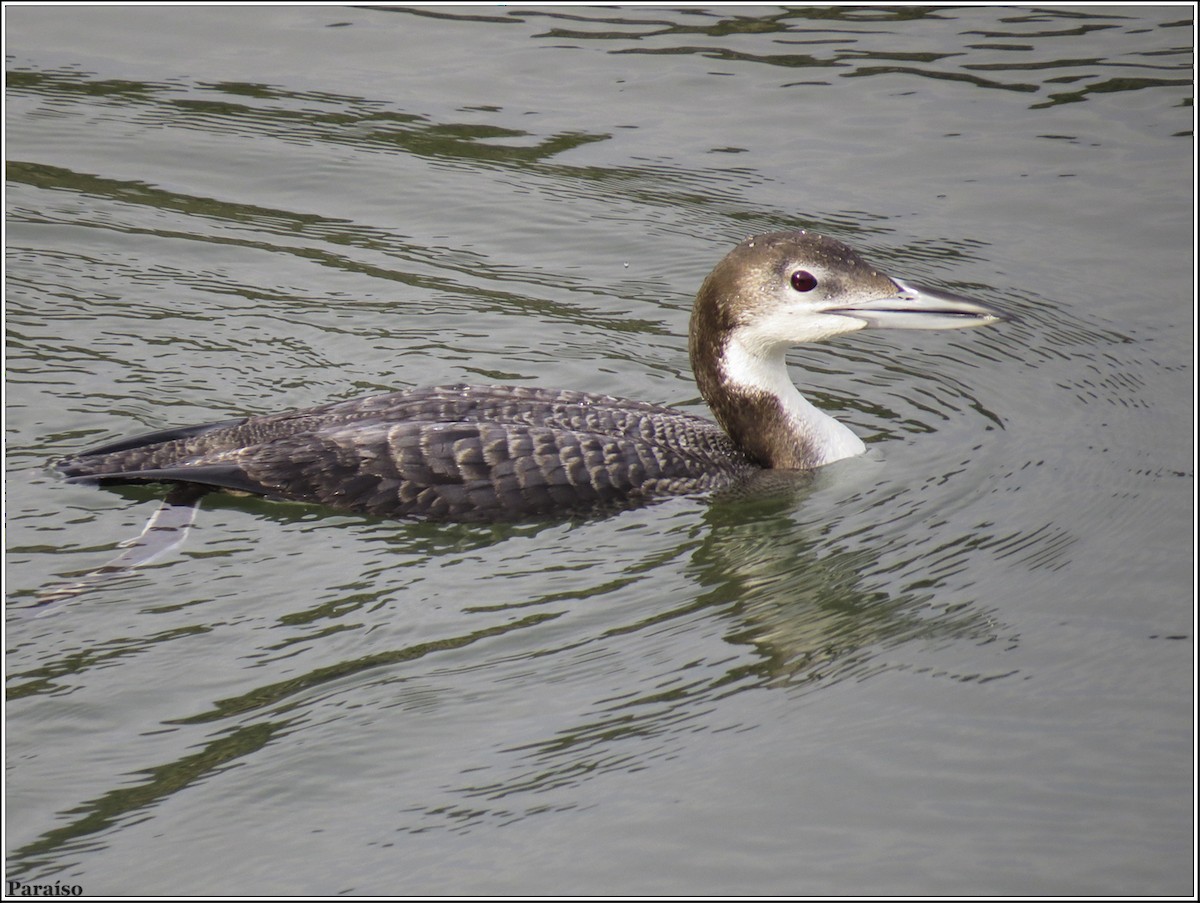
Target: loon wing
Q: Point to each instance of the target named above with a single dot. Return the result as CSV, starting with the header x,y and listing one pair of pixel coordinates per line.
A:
x,y
160,436
213,476
451,452
460,471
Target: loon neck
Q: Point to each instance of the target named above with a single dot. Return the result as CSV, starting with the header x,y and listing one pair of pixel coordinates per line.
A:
x,y
748,388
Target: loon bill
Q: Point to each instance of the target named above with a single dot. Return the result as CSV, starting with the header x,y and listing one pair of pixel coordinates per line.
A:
x,y
485,453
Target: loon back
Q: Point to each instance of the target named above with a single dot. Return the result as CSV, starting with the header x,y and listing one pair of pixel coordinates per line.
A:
x,y
465,453
502,453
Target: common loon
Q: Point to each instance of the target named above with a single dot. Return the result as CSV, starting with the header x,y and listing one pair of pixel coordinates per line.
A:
x,y
490,453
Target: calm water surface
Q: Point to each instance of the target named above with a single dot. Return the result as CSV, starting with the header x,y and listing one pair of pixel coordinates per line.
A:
x,y
961,664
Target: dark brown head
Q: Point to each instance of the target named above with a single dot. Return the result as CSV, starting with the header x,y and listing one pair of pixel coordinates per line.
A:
x,y
787,288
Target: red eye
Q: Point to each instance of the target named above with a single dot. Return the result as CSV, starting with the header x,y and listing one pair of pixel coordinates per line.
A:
x,y
803,281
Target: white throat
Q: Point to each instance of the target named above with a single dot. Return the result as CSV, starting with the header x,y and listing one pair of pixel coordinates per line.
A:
x,y
752,366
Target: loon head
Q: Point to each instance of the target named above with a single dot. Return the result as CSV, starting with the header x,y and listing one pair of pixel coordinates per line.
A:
x,y
787,288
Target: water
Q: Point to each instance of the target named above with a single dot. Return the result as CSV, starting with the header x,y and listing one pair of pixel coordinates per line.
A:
x,y
961,664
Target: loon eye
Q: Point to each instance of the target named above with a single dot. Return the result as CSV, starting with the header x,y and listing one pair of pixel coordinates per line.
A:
x,y
803,281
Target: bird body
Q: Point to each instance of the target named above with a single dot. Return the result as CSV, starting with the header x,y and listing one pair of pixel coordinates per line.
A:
x,y
483,453
448,452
